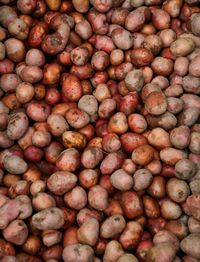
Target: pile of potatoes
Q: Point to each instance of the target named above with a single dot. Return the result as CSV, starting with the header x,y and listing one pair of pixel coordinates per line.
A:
x,y
100,130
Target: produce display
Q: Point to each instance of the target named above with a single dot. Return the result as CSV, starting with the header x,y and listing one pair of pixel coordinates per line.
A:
x,y
99,130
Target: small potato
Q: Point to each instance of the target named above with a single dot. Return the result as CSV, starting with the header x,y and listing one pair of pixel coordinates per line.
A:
x,y
127,258
174,105
118,123
83,29
121,180
134,80
38,111
57,124
170,210
88,232
111,162
88,178
35,57
41,138
181,66
15,49
137,123
113,251
157,187
136,19
194,145
191,245
78,253
194,24
190,100
174,90
111,143
180,137
68,160
177,190
77,118
159,138
15,164
17,125
98,197
165,236
8,212
102,92
81,6
86,213
31,74
164,252
182,47
9,82
73,139
37,187
141,56
132,204
24,92
16,232
151,207
5,141
88,104
171,156
160,19
122,38
51,237
112,226
24,206
51,218
91,157
42,201
76,198
131,235
71,88
153,43
191,84
26,140
195,185
188,116
141,179
162,66
185,169
143,155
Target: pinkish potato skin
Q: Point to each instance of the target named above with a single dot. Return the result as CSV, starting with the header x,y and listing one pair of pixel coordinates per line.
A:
x,y
99,130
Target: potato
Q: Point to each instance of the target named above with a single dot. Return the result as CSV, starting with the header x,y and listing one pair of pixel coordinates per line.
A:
x,y
142,155
121,180
8,212
127,258
182,47
171,156
24,92
157,187
141,179
164,252
132,204
50,218
112,226
15,49
41,138
78,253
190,245
151,207
98,197
68,160
91,157
16,232
51,237
57,124
38,111
137,123
159,138
194,145
134,80
193,225
76,198
131,235
26,140
162,66
77,118
185,169
113,251
31,74
9,82
111,163
72,88
15,164
24,206
42,201
177,190
191,84
111,143
122,38
194,24
170,210
136,19
83,29
190,100
193,206
17,125
88,232
180,137
88,104
165,236
181,66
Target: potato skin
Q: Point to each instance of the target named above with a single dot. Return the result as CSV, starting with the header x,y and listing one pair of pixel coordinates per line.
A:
x,y
17,125
164,252
190,245
78,253
112,226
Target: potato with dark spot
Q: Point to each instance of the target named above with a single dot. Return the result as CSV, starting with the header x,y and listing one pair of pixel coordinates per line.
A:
x,y
17,125
78,253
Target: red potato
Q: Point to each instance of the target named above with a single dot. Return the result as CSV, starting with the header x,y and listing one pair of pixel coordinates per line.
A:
x,y
68,160
112,226
141,179
98,198
164,252
111,163
78,252
77,118
16,232
76,198
131,204
121,180
91,157
113,251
